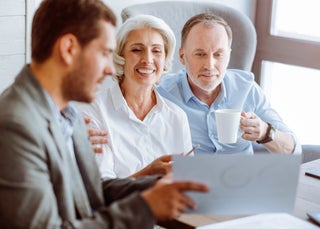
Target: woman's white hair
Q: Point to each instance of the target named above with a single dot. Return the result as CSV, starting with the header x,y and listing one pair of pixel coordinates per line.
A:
x,y
140,22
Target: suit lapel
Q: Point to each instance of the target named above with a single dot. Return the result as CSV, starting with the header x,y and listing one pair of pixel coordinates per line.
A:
x,y
57,136
87,164
76,182
65,210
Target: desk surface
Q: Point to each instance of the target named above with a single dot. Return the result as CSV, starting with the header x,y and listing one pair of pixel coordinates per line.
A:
x,y
307,200
308,193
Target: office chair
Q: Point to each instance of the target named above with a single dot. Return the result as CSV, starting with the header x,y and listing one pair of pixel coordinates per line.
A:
x,y
176,13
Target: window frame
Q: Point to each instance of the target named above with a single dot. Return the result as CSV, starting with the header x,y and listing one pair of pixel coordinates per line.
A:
x,y
286,50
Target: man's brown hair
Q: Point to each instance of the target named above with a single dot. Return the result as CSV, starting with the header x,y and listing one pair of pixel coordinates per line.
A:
x,y
55,18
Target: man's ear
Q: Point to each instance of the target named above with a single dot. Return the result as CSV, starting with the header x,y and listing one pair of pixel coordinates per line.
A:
x,y
181,56
68,47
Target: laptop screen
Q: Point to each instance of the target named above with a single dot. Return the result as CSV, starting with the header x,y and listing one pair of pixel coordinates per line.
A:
x,y
241,184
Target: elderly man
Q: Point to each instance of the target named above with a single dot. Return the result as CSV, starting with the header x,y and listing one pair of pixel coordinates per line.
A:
x,y
206,85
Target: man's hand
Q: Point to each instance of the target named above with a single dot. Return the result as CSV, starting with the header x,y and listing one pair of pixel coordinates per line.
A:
x,y
97,137
168,201
254,129
252,126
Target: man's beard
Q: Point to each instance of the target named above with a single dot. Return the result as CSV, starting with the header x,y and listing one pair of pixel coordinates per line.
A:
x,y
74,86
208,88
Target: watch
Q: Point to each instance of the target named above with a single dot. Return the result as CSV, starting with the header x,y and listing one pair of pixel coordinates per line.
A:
x,y
269,135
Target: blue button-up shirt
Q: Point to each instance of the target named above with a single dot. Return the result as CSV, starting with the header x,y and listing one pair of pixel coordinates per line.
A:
x,y
238,91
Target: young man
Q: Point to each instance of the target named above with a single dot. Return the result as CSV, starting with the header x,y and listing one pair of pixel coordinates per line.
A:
x,y
206,85
48,175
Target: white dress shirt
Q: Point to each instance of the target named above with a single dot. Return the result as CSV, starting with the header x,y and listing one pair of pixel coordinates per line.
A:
x,y
133,144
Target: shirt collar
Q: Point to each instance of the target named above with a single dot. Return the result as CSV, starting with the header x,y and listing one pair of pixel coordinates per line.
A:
x,y
117,97
223,93
187,92
69,112
119,101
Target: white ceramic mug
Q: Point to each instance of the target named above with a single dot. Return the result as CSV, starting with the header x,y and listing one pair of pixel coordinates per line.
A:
x,y
227,122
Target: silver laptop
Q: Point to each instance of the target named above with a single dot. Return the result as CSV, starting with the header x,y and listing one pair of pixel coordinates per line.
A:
x,y
241,184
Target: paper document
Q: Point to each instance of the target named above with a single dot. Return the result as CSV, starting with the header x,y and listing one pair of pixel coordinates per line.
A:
x,y
241,184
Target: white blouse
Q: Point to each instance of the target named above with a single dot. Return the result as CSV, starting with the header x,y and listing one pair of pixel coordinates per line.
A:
x,y
133,144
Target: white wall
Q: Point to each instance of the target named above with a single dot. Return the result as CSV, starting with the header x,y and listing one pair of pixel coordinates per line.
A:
x,y
246,6
13,42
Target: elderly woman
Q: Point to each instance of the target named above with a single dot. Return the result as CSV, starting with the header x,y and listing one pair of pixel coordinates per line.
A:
x,y
143,127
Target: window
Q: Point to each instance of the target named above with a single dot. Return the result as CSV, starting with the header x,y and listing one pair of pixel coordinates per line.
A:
x,y
294,92
287,63
290,21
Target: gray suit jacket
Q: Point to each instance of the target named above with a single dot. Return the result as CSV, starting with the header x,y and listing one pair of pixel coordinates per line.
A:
x,y
40,187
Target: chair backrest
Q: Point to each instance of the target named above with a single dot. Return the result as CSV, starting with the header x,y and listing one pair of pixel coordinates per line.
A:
x,y
176,13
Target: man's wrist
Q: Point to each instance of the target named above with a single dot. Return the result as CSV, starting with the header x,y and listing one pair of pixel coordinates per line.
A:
x,y
269,135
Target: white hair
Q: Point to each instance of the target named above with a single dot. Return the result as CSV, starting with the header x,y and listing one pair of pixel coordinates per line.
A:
x,y
140,22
